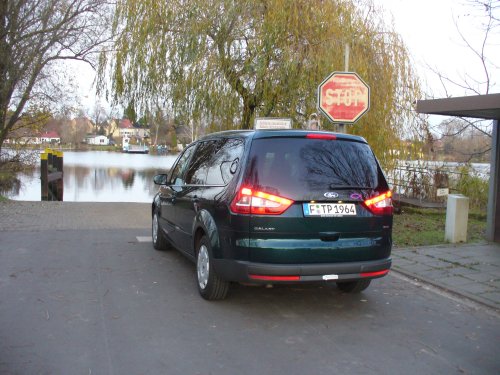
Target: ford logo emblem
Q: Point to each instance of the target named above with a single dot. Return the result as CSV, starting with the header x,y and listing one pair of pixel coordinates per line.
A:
x,y
331,194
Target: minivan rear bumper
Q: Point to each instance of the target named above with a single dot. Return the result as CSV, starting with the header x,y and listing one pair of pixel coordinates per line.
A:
x,y
264,273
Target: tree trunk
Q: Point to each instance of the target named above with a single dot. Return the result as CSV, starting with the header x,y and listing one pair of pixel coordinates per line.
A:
x,y
248,116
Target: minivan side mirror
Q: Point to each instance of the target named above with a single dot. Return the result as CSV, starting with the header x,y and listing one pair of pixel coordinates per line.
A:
x,y
160,179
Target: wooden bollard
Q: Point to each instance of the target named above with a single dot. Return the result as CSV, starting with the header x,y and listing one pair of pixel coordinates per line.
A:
x,y
60,181
44,175
51,175
50,170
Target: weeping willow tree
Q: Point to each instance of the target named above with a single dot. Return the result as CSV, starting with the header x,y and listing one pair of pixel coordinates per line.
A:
x,y
224,62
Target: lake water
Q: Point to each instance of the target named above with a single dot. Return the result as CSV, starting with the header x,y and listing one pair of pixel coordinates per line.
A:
x,y
99,176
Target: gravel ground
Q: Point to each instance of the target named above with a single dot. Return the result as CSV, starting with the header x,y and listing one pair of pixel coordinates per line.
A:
x,y
21,215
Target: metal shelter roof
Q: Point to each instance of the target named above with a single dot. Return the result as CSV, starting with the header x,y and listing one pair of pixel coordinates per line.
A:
x,y
479,106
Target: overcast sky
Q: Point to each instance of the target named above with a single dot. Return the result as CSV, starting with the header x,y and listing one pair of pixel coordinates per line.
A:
x,y
429,31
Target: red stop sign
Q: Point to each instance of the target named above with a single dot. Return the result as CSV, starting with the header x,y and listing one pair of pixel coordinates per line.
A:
x,y
343,97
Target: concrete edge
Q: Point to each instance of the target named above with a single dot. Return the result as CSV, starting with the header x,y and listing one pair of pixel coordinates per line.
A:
x,y
444,245
437,284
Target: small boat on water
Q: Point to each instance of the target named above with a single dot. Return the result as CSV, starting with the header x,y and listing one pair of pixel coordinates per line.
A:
x,y
136,149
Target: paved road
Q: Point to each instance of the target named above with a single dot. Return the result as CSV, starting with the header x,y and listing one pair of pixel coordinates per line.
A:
x,y
98,300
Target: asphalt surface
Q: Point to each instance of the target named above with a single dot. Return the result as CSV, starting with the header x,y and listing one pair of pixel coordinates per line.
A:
x,y
83,292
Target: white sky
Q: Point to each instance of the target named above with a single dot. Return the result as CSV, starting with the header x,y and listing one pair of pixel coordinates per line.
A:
x,y
85,76
429,31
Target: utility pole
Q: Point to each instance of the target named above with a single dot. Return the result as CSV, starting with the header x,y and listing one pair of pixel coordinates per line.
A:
x,y
347,51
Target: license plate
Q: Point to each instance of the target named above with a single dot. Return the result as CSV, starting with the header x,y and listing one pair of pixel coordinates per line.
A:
x,y
329,209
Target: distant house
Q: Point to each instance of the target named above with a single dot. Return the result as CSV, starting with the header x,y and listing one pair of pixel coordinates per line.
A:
x,y
50,137
101,140
126,128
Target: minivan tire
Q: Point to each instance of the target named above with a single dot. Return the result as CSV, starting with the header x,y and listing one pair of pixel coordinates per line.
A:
x,y
159,240
354,286
210,285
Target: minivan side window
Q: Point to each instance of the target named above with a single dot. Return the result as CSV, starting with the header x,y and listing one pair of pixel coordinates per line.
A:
x,y
176,178
200,162
225,162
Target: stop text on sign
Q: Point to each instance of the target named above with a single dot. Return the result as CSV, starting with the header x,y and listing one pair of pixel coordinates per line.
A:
x,y
347,97
343,97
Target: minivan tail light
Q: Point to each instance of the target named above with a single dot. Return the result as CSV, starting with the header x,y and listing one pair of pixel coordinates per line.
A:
x,y
249,201
374,274
381,204
330,137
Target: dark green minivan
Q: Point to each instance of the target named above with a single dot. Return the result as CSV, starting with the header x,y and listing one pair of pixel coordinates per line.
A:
x,y
276,206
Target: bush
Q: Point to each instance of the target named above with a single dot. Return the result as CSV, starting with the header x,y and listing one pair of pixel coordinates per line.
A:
x,y
473,187
13,161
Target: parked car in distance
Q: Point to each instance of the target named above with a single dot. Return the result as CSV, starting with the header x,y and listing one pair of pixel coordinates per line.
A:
x,y
276,206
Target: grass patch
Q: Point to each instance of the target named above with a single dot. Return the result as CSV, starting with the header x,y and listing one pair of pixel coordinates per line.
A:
x,y
425,227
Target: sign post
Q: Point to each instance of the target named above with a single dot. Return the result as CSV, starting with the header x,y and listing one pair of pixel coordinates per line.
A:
x,y
343,97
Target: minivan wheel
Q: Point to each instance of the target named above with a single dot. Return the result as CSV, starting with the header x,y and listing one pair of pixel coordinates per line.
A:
x,y
159,241
210,285
354,286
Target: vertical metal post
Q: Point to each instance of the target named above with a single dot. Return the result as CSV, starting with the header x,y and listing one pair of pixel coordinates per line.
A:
x,y
493,215
347,51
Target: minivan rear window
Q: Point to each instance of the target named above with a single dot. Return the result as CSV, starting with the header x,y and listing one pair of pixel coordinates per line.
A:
x,y
294,167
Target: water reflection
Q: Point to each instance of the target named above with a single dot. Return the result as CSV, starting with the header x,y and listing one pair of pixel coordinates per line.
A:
x,y
100,177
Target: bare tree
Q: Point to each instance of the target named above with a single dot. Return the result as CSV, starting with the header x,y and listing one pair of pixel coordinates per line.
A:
x,y
462,143
158,122
98,116
35,35
487,14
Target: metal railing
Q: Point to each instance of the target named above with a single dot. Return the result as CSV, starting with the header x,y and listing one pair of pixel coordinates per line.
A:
x,y
426,181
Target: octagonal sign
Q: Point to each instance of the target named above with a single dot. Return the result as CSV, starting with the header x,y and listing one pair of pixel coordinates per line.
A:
x,y
343,97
